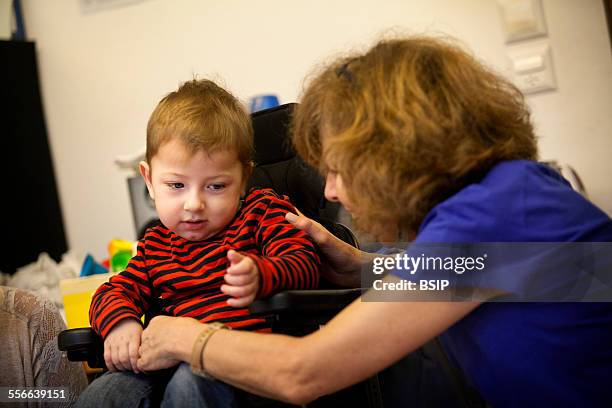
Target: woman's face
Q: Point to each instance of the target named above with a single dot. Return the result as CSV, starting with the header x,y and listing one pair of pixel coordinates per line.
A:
x,y
335,191
334,186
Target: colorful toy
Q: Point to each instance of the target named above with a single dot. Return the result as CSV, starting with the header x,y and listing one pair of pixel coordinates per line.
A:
x,y
120,252
91,267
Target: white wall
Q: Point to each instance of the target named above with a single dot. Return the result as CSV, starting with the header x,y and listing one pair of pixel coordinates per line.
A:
x,y
102,74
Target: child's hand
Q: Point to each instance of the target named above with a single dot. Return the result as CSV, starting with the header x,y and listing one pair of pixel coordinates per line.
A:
x,y
121,346
242,280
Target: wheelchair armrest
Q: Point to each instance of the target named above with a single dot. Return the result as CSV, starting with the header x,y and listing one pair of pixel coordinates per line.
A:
x,y
299,312
296,312
82,344
300,301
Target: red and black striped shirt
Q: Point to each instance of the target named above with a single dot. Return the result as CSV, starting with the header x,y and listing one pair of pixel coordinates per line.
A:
x,y
187,275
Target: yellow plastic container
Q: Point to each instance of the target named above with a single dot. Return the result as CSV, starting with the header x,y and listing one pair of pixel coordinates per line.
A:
x,y
76,294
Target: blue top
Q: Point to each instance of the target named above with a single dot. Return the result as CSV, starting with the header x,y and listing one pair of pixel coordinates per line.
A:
x,y
528,354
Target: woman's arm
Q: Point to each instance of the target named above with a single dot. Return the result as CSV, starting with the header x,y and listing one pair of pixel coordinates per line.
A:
x,y
362,340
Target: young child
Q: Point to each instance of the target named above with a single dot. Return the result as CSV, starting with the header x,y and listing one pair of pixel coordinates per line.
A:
x,y
215,252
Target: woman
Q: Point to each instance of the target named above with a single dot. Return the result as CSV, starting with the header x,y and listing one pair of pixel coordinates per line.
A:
x,y
417,139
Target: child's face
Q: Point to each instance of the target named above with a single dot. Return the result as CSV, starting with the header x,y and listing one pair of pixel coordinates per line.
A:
x,y
197,195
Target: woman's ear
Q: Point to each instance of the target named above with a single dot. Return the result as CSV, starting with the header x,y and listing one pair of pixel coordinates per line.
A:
x,y
145,172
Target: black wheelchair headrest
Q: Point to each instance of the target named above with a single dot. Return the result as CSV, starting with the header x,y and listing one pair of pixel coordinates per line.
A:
x,y
278,167
271,129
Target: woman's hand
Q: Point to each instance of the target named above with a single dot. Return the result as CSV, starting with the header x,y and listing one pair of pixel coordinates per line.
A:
x,y
342,262
167,341
121,346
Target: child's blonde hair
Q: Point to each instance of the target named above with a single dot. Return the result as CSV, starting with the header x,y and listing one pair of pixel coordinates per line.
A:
x,y
203,116
407,124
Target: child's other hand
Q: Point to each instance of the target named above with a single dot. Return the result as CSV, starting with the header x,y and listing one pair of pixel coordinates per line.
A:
x,y
121,346
242,280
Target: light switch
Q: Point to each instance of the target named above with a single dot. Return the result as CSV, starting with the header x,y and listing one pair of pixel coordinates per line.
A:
x,y
532,63
522,19
532,67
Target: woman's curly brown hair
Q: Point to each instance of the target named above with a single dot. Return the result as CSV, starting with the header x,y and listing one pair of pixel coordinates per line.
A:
x,y
408,124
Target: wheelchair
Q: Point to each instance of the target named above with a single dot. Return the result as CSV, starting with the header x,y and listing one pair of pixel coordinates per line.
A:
x,y
293,312
299,312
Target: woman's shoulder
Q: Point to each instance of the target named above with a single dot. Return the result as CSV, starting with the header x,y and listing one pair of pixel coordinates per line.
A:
x,y
518,200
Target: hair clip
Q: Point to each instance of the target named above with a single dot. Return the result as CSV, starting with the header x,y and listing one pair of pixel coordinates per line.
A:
x,y
343,71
